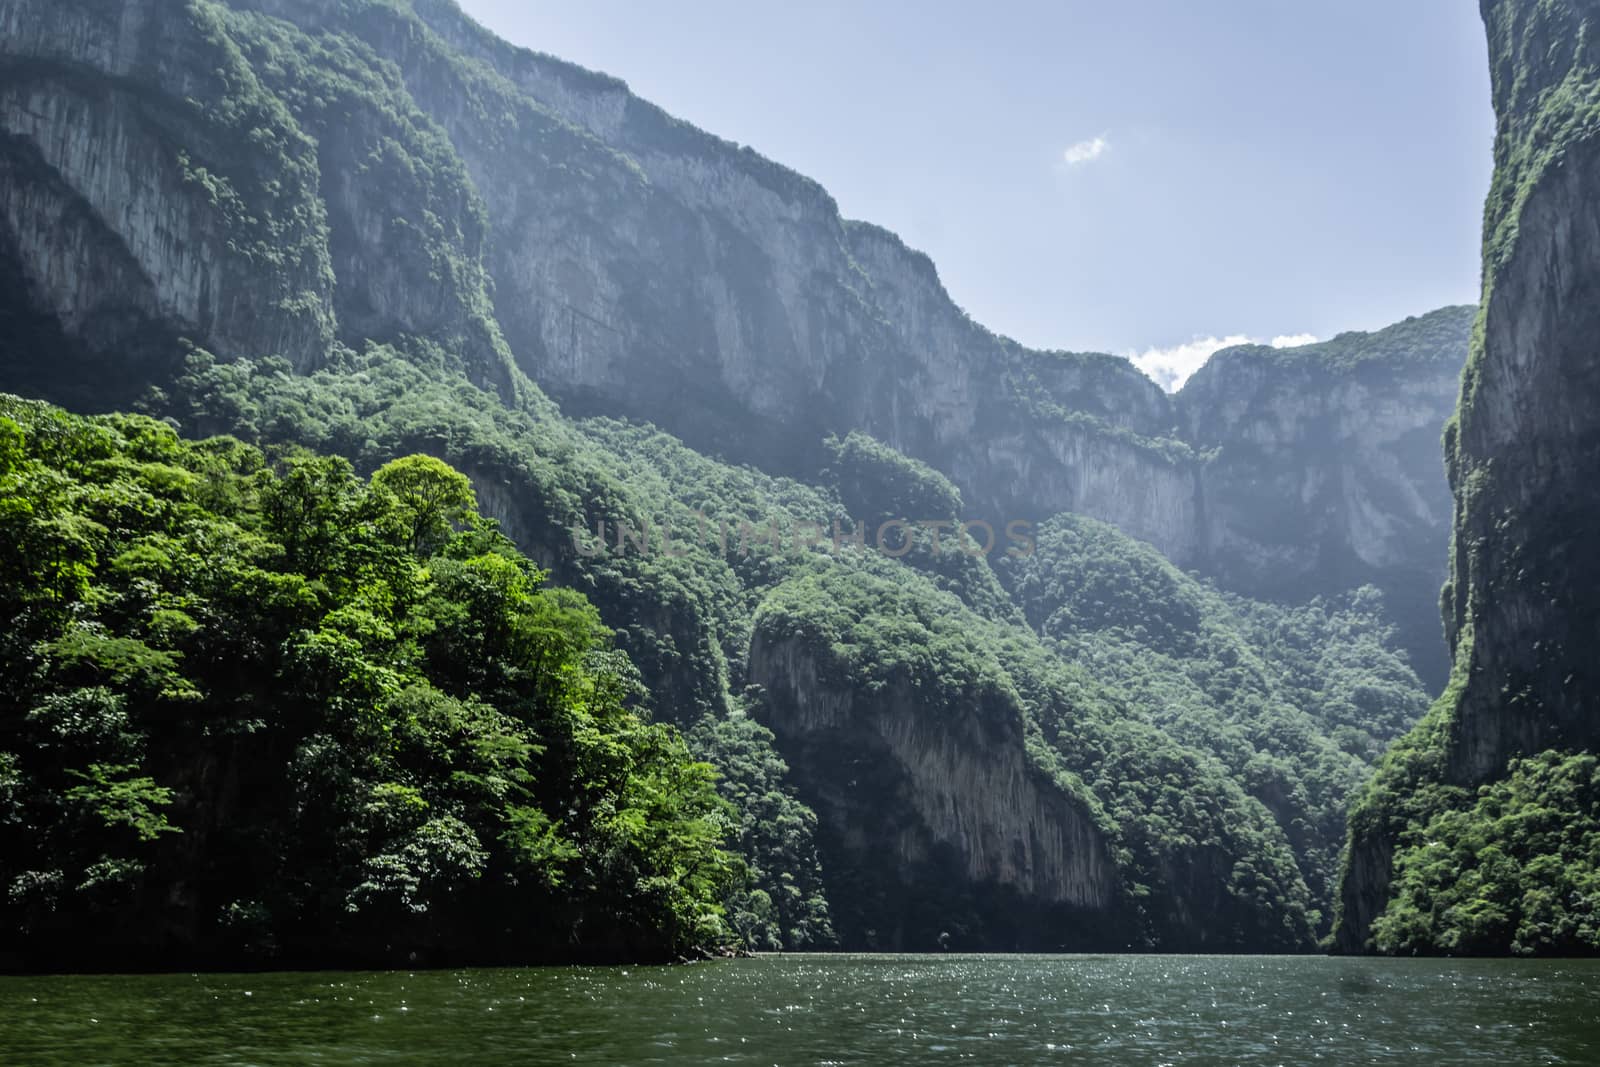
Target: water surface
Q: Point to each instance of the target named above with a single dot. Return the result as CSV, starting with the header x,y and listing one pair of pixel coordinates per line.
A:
x,y
846,1009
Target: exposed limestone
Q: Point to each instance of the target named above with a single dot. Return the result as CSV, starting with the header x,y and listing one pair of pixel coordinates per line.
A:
x,y
965,782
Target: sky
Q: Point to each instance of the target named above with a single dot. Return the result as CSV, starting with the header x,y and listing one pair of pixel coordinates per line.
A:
x,y
1147,177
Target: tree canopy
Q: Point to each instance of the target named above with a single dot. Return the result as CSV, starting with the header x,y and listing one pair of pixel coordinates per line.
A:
x,y
330,716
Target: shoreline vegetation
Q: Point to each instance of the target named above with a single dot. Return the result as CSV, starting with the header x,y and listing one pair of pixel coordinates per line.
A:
x,y
272,710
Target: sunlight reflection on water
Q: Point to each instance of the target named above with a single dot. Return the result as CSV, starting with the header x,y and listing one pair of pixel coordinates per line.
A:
x,y
820,1009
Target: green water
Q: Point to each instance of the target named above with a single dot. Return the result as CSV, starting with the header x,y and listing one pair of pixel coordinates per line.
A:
x,y
829,1010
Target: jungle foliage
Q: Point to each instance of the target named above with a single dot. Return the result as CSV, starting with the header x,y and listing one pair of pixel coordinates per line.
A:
x,y
256,706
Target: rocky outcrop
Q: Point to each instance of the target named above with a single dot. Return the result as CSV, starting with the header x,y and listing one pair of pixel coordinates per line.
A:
x,y
113,225
916,803
1523,453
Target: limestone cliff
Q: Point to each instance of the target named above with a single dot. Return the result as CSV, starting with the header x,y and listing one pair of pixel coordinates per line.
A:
x,y
1523,452
1320,468
114,227
917,802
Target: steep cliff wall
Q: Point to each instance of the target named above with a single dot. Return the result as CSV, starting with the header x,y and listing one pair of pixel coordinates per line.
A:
x,y
1321,468
150,179
819,320
916,804
1520,607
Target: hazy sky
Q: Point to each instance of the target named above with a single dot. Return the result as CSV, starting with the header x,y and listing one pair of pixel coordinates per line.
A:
x,y
1119,176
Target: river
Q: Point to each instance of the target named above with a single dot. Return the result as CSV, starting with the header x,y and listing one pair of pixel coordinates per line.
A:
x,y
828,1009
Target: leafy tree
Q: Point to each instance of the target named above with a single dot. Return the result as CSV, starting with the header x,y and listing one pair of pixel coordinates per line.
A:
x,y
428,496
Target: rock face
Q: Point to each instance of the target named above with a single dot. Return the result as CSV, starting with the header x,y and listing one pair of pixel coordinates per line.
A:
x,y
635,265
916,803
1320,468
1520,609
113,226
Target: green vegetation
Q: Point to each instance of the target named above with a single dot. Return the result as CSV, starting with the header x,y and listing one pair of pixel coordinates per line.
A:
x,y
907,510
684,621
1145,724
878,484
783,903
1514,869
1295,702
1431,338
260,708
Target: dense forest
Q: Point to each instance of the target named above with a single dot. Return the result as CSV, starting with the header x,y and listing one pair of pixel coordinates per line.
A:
x,y
263,708
395,600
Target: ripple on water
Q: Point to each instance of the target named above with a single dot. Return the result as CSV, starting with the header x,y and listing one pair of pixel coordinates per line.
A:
x,y
830,1010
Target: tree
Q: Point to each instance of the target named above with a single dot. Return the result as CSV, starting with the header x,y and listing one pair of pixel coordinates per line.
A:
x,y
429,498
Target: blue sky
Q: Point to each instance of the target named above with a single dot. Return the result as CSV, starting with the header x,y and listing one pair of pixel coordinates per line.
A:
x,y
1118,176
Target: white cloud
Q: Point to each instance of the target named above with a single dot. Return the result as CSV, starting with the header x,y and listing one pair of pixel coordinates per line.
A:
x,y
1171,367
1294,340
1086,151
